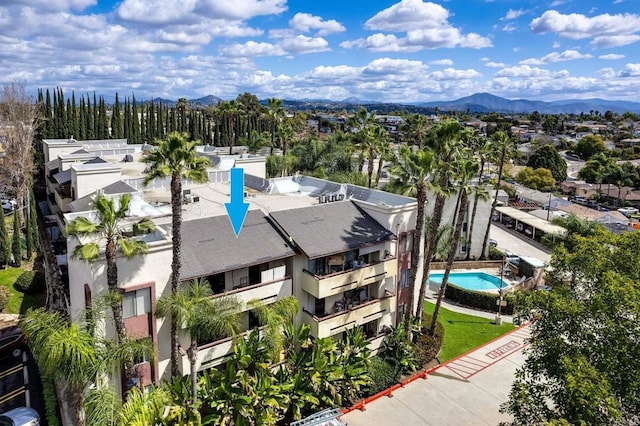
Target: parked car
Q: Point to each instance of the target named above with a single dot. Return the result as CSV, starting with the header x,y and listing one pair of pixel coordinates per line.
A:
x,y
21,416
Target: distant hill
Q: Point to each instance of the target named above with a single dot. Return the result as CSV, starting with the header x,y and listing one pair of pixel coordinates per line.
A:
x,y
205,100
486,102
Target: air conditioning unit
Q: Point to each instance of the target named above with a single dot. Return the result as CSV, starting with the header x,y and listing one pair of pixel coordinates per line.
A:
x,y
188,199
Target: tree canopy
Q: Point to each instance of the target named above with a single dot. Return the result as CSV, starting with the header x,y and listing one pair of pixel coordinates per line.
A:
x,y
589,146
549,158
583,363
540,179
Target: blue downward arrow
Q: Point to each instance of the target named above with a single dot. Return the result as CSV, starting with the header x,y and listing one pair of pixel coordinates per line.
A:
x,y
237,208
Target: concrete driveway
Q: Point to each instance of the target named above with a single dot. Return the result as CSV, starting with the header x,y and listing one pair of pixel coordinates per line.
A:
x,y
508,241
464,391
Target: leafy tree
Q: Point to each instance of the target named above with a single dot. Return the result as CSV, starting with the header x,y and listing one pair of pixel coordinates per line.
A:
x,y
273,317
176,158
582,364
596,168
106,228
16,243
549,158
589,146
539,179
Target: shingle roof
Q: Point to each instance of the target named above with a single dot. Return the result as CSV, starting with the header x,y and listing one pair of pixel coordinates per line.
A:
x,y
330,228
63,177
209,245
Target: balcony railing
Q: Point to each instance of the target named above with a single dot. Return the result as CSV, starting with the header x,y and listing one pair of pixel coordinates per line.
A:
x,y
321,286
267,292
338,322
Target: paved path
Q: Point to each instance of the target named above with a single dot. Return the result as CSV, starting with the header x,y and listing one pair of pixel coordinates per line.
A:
x,y
464,391
507,241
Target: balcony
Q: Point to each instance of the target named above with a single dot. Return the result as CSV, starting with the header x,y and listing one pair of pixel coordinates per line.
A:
x,y
268,292
332,324
339,282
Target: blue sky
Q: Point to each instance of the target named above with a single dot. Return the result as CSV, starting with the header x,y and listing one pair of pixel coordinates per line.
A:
x,y
390,51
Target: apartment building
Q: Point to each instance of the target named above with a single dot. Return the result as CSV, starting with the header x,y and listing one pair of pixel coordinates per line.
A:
x,y
343,251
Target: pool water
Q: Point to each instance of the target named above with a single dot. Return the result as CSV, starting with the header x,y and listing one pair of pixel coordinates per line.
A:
x,y
471,280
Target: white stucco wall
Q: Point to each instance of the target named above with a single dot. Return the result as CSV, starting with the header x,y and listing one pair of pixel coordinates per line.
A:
x,y
85,181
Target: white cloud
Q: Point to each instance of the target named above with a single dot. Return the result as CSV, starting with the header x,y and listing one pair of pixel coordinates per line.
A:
x,y
304,44
454,74
567,55
606,30
514,14
305,22
445,62
510,27
555,45
425,24
631,70
253,49
520,71
611,57
492,64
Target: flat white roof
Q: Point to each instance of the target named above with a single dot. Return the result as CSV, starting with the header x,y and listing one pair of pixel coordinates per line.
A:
x,y
531,220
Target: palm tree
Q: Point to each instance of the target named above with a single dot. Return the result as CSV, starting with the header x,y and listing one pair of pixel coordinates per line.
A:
x,y
231,109
106,226
416,126
275,112
176,157
385,153
413,173
483,150
371,139
274,317
466,169
204,318
504,146
445,139
75,357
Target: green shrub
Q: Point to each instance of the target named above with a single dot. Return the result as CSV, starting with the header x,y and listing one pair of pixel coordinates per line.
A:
x,y
477,299
427,347
50,401
495,254
399,351
30,282
383,375
4,297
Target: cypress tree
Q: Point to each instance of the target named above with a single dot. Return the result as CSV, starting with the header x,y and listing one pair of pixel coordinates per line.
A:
x,y
135,122
28,234
61,116
5,245
82,123
103,122
116,120
69,125
89,115
127,120
143,124
35,236
16,248
75,125
160,122
48,113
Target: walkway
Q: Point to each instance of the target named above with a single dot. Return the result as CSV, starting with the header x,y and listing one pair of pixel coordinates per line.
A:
x,y
467,390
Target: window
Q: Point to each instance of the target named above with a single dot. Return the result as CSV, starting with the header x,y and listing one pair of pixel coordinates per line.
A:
x,y
406,243
404,278
136,303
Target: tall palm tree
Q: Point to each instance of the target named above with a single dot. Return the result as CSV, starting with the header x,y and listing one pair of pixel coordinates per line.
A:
x,y
413,173
176,157
275,112
483,149
385,153
204,318
106,226
445,140
465,170
504,146
370,141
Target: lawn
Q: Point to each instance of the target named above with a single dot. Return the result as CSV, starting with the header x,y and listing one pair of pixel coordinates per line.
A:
x,y
464,332
18,302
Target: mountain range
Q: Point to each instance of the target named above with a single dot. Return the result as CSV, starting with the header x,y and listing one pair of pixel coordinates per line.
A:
x,y
477,103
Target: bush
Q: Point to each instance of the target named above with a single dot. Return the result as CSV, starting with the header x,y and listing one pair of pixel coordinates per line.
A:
x,y
30,282
383,375
428,347
495,254
4,297
477,299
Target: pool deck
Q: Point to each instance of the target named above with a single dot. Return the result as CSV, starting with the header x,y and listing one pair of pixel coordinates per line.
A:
x,y
467,390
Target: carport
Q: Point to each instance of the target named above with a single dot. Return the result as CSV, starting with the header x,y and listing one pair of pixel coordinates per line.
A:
x,y
532,226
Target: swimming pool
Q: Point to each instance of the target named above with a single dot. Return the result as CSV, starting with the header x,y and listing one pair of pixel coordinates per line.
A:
x,y
470,280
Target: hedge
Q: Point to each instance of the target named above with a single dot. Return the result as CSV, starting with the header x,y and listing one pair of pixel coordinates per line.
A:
x,y
4,297
478,299
427,347
382,374
30,282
